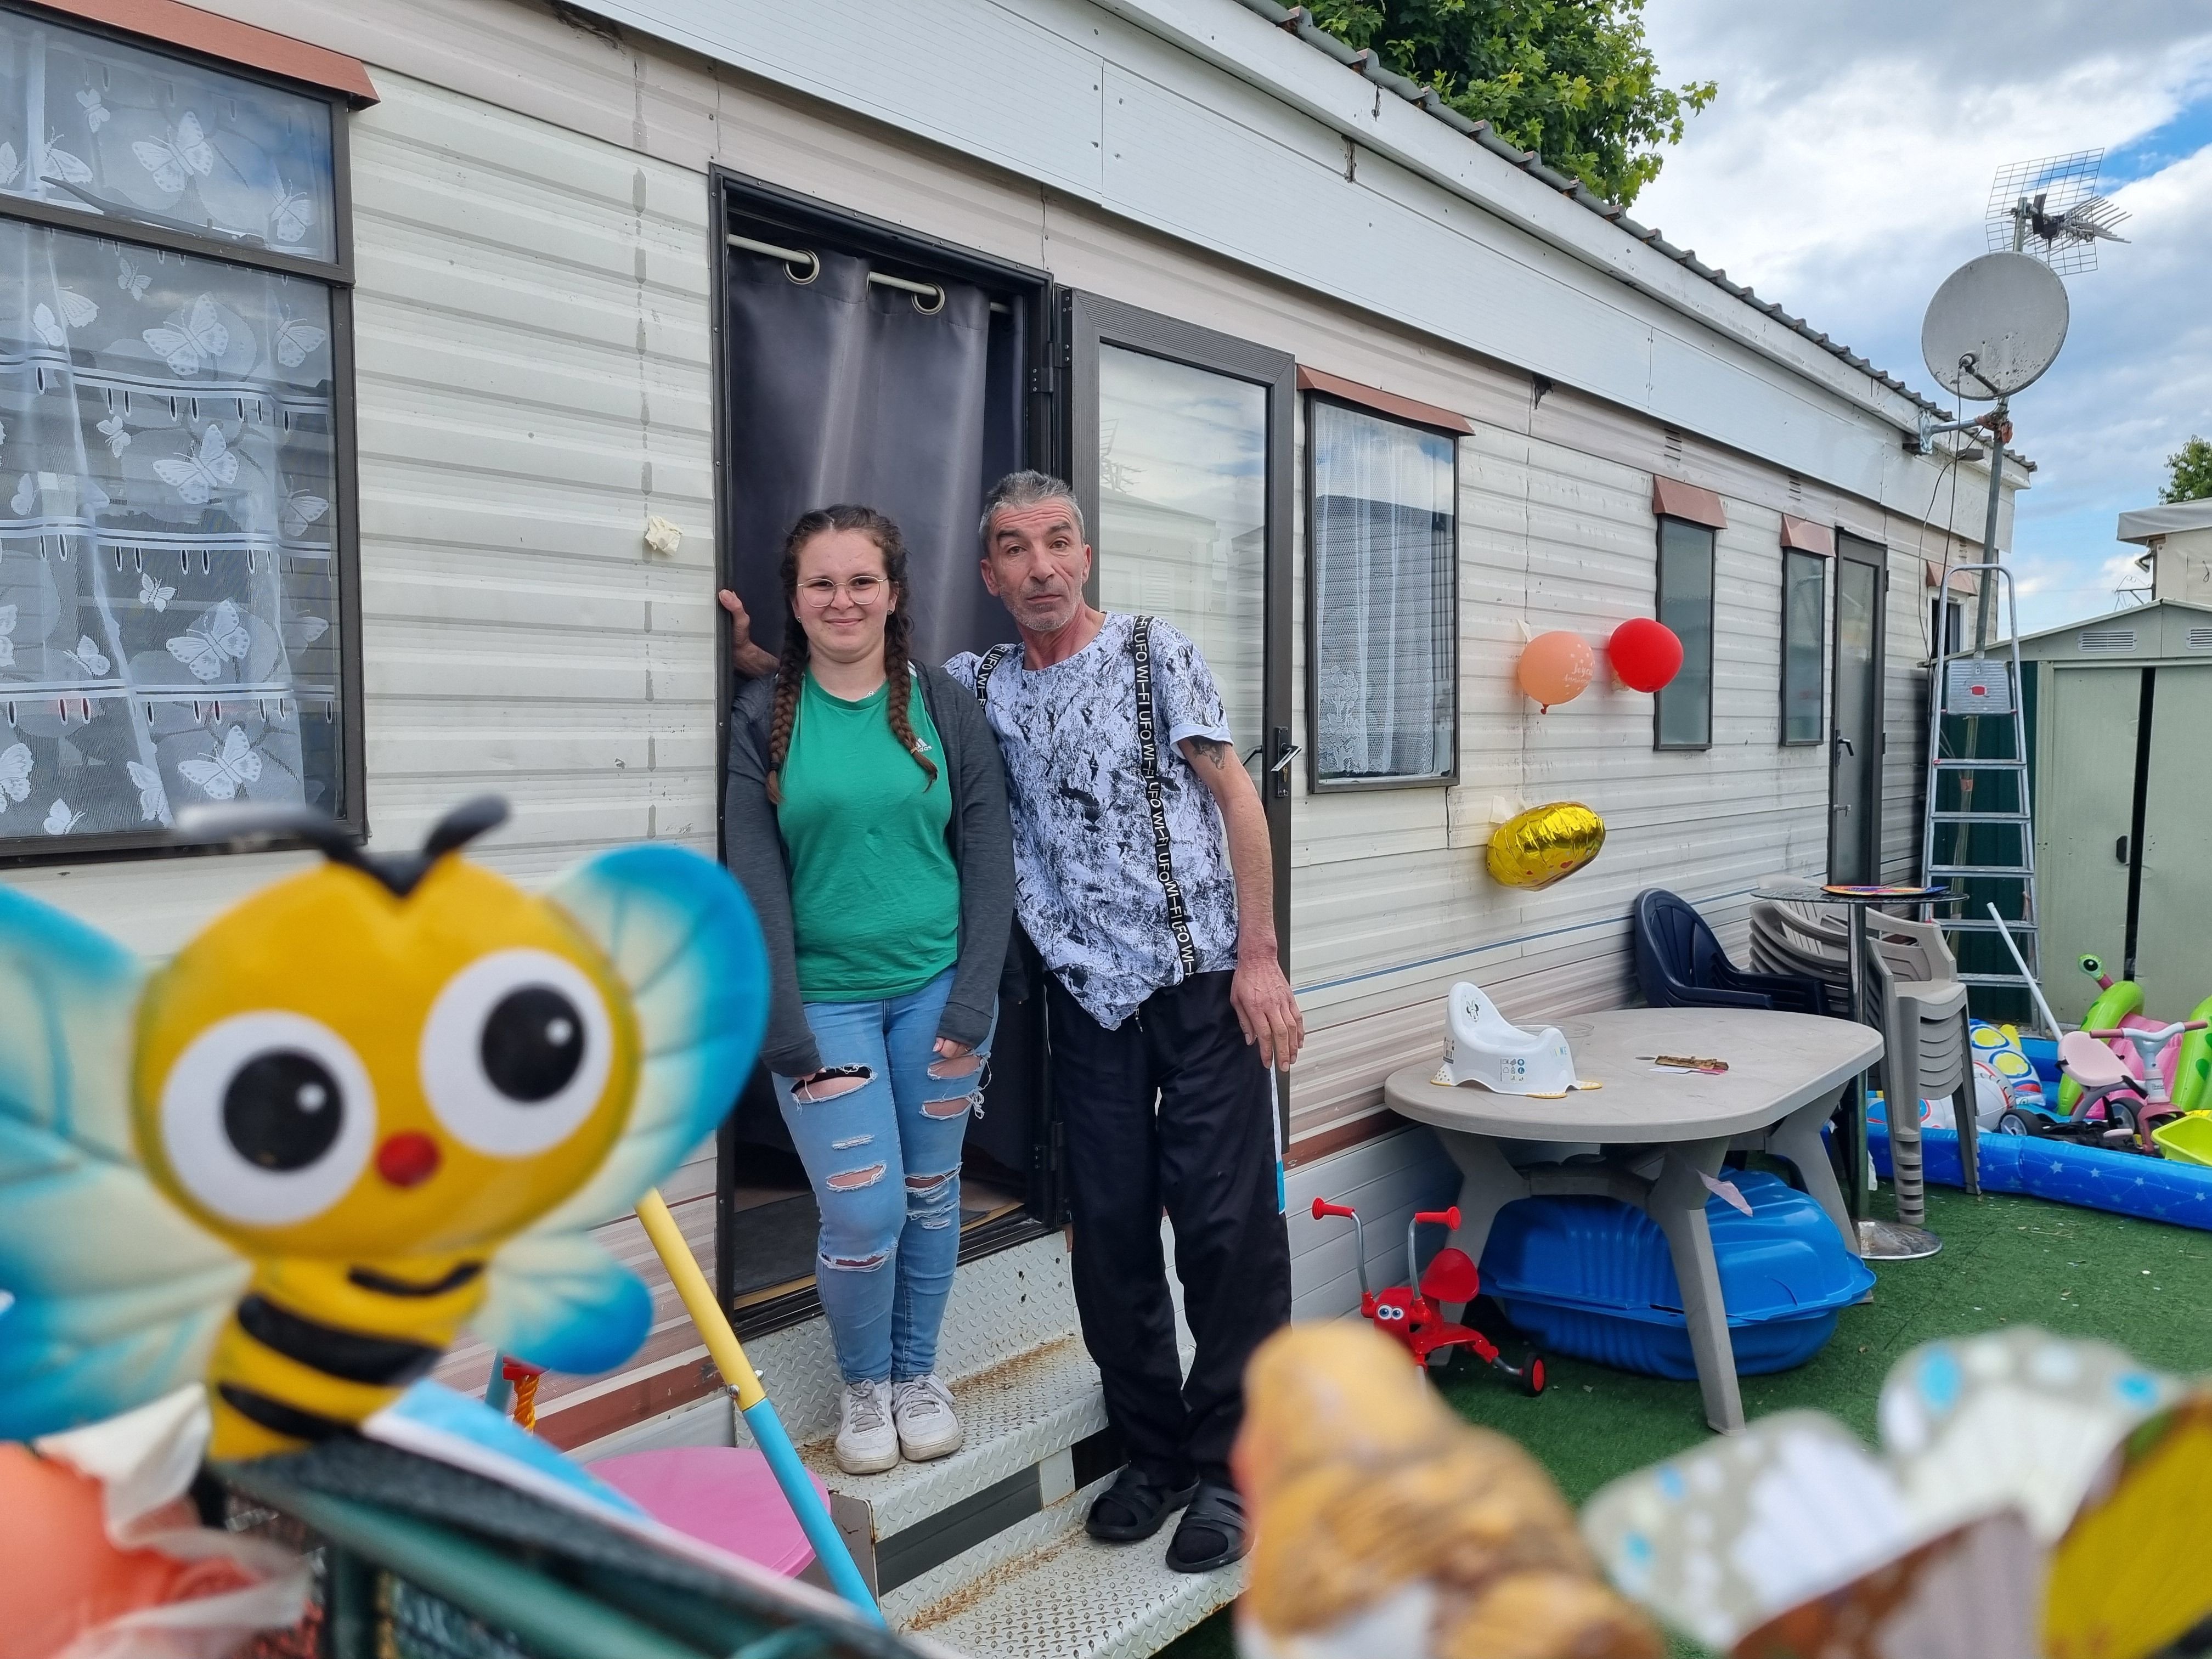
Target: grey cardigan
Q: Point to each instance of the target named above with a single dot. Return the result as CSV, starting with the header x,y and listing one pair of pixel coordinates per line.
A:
x,y
980,835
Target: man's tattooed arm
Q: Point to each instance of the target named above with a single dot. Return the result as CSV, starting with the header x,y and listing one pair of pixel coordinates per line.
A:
x,y
1212,748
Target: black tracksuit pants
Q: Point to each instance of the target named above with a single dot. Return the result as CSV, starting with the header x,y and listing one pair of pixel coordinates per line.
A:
x,y
1173,1108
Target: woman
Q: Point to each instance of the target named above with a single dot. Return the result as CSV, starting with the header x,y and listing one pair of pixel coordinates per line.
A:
x,y
868,819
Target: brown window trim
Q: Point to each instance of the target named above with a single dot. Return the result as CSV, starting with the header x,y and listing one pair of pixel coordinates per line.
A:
x,y
169,22
1384,402
1803,536
1671,498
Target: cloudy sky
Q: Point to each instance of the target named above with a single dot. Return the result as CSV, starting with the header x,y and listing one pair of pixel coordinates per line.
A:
x,y
1846,169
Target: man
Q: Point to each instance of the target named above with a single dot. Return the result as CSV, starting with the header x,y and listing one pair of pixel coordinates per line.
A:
x,y
1166,1004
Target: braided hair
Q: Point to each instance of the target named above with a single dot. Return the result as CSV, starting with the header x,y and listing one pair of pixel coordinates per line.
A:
x,y
791,665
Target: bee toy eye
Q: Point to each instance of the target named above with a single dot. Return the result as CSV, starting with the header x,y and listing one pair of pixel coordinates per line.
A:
x,y
267,1117
516,1052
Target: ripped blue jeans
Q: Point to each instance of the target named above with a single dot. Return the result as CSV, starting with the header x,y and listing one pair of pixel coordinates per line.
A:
x,y
882,1147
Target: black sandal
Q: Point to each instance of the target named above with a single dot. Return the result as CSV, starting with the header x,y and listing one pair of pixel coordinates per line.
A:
x,y
1134,1507
1211,1533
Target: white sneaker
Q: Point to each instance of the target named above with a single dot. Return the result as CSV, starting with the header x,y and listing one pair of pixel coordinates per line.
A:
x,y
867,1442
927,1426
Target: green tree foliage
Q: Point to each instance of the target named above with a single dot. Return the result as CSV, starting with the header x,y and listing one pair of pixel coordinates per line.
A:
x,y
2188,473
1572,80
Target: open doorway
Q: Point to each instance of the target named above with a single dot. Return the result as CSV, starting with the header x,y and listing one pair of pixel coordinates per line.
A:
x,y
858,363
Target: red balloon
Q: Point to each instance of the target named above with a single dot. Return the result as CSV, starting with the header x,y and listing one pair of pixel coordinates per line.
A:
x,y
1646,653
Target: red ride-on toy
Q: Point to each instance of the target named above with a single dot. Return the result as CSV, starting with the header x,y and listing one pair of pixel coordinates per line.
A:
x,y
1416,1316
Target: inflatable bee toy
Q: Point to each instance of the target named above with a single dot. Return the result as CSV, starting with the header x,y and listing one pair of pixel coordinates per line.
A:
x,y
368,1106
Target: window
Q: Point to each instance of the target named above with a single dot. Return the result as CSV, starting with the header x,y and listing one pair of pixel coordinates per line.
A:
x,y
1382,606
1804,613
1947,626
172,320
1682,712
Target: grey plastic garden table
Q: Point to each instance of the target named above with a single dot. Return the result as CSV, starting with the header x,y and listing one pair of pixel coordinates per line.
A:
x,y
1653,1138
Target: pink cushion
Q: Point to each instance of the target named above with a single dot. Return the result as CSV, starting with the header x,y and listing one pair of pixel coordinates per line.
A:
x,y
726,1496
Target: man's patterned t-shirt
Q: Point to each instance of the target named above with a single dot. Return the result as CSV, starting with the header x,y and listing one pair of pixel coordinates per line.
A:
x,y
1084,881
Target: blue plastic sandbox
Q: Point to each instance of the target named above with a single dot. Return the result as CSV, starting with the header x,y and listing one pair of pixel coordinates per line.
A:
x,y
2095,1177
1592,1277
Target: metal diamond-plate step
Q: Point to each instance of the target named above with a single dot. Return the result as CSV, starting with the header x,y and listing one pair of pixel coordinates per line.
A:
x,y
1076,1599
971,1565
1002,1305
1016,1414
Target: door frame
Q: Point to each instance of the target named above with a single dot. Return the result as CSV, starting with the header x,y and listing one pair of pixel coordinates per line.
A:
x,y
1875,556
735,196
1089,321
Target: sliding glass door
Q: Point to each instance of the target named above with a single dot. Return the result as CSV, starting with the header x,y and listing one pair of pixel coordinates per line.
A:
x,y
1180,451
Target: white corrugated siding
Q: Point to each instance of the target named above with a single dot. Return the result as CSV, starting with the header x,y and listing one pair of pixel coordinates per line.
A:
x,y
535,380
1390,900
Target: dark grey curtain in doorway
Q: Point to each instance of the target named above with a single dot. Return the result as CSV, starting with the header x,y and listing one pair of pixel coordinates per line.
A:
x,y
843,389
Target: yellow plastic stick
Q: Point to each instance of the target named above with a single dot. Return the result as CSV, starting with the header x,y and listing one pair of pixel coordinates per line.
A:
x,y
753,1403
700,1301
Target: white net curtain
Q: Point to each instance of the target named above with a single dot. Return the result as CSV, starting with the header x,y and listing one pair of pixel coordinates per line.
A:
x,y
167,588
1382,597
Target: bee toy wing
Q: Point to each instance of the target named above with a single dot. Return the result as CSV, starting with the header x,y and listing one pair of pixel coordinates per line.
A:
x,y
116,1296
681,936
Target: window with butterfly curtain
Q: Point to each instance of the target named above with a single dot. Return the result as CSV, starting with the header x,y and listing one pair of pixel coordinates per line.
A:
x,y
172,295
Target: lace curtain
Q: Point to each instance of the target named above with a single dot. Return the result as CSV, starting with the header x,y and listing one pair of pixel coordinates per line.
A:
x,y
167,583
1385,622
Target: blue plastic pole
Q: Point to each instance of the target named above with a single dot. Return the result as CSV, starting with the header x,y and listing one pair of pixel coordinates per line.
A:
x,y
753,1404
813,1515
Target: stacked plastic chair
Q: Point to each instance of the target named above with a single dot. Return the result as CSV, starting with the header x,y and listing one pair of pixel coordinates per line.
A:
x,y
1913,989
1926,1054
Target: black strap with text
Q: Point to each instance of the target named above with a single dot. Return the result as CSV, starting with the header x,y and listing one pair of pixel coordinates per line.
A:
x,y
1148,756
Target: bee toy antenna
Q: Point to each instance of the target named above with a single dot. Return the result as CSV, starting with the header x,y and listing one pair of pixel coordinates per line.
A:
x,y
248,825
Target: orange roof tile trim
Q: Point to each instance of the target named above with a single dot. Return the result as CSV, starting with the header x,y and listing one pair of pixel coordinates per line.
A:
x,y
1383,403
1806,536
1672,498
174,24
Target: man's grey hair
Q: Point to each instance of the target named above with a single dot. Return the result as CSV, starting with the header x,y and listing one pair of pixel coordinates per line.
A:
x,y
1027,489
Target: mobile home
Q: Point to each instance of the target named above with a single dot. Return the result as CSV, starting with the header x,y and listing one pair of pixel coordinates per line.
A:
x,y
518,327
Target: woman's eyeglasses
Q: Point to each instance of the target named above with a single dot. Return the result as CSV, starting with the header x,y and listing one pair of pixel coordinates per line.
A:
x,y
821,592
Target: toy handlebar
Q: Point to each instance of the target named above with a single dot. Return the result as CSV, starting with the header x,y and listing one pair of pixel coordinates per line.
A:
x,y
1445,1218
2162,1034
1322,1207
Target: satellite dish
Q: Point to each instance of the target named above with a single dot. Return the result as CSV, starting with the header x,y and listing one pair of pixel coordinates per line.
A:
x,y
1994,326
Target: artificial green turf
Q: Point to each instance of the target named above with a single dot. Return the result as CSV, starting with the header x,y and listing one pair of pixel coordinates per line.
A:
x,y
2143,1286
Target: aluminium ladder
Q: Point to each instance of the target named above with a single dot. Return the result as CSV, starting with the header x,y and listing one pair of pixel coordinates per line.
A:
x,y
1967,687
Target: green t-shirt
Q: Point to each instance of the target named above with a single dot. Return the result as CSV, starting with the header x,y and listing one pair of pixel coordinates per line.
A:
x,y
875,896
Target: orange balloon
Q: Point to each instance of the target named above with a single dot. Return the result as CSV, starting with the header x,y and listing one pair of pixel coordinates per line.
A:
x,y
1555,667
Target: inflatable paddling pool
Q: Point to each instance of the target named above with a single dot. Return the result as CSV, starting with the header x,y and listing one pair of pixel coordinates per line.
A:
x,y
2125,1183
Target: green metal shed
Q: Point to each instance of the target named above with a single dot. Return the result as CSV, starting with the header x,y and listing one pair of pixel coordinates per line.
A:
x,y
2121,710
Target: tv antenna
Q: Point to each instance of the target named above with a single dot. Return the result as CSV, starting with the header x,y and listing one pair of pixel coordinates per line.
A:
x,y
2050,211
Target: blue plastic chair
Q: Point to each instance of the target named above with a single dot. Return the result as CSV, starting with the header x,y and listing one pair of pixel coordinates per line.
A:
x,y
1680,965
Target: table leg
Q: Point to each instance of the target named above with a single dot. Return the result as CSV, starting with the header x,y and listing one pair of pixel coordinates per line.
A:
x,y
1677,1203
1853,1140
1488,1184
1797,1138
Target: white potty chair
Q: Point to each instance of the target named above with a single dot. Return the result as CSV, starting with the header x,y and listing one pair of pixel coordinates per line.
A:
x,y
1482,1046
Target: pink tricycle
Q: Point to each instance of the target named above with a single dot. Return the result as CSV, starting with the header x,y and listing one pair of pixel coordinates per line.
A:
x,y
2132,1104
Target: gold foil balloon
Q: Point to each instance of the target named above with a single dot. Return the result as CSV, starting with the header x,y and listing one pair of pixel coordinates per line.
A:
x,y
1546,844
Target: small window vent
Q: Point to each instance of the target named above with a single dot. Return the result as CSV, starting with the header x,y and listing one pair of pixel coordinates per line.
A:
x,y
2106,642
2200,639
1673,445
